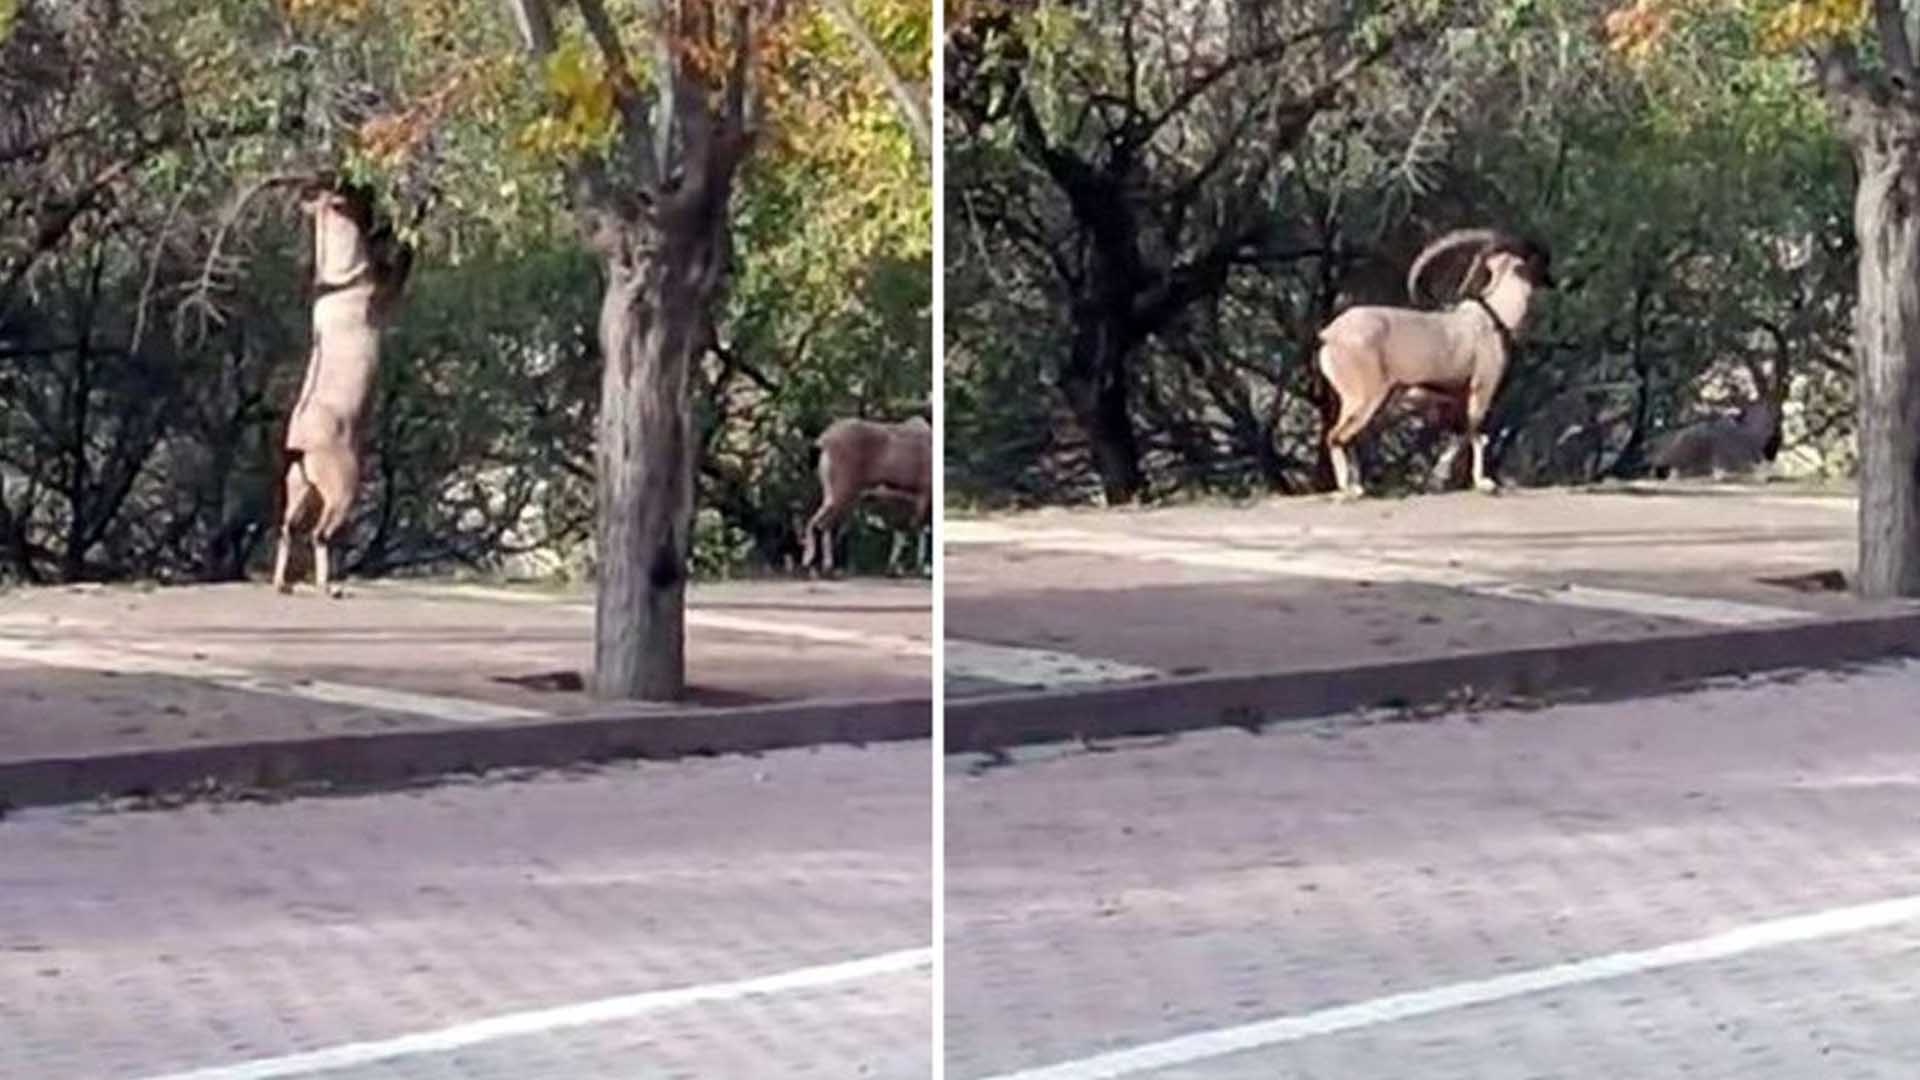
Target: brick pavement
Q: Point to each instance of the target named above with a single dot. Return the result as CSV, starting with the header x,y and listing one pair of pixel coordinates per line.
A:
x,y
135,944
1099,901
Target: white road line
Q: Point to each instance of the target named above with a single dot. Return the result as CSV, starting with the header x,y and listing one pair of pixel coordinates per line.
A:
x,y
1199,1046
1035,667
605,1010
1295,560
123,657
897,644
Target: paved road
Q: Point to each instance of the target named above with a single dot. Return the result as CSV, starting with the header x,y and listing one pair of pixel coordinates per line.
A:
x,y
1717,884
617,922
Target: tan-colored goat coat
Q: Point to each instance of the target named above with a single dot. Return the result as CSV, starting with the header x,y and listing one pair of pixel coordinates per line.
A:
x,y
867,457
1369,353
324,428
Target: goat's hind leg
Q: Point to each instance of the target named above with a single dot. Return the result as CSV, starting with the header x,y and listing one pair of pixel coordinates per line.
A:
x,y
923,525
1353,420
299,493
1359,400
807,546
817,553
1479,399
337,476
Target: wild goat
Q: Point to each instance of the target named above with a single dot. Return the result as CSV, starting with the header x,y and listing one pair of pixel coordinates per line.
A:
x,y
1369,353
1718,445
866,457
354,286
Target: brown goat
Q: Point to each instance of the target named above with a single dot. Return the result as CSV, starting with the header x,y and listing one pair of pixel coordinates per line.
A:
x,y
866,457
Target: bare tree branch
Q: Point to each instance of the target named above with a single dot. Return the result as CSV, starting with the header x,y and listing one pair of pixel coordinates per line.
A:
x,y
199,297
913,107
1893,40
535,21
1207,80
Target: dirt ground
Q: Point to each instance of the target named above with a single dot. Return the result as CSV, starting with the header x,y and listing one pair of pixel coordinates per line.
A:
x,y
92,669
1055,597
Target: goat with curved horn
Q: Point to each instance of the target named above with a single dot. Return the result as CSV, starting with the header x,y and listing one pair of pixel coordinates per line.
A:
x,y
1368,353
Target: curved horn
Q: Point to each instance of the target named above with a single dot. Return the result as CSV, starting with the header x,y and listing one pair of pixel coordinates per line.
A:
x,y
1448,242
1470,282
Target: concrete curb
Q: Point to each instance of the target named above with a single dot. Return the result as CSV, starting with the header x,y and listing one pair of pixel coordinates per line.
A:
x,y
1617,668
395,757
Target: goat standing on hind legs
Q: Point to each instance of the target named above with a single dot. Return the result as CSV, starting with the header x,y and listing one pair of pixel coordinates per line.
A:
x,y
357,273
864,457
1369,353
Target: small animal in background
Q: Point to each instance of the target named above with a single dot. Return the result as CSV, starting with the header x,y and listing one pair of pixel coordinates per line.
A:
x,y
1719,446
868,457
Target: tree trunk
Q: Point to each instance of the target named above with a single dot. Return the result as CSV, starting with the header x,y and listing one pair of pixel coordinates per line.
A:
x,y
1095,386
651,322
1887,221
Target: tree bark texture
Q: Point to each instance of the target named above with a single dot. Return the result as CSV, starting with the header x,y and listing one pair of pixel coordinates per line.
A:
x,y
652,322
1887,221
1095,385
1879,114
656,211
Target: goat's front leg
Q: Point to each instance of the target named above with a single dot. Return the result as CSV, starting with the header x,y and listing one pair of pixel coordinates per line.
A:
x,y
894,550
1479,399
280,561
1481,481
322,567
1346,472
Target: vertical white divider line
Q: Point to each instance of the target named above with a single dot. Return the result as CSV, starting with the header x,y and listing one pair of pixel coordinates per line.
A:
x,y
936,753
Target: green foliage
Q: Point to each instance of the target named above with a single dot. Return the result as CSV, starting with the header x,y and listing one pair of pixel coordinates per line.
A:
x,y
133,444
1696,209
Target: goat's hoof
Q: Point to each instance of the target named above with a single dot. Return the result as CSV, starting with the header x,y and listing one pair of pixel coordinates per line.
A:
x,y
337,592
1486,487
283,588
